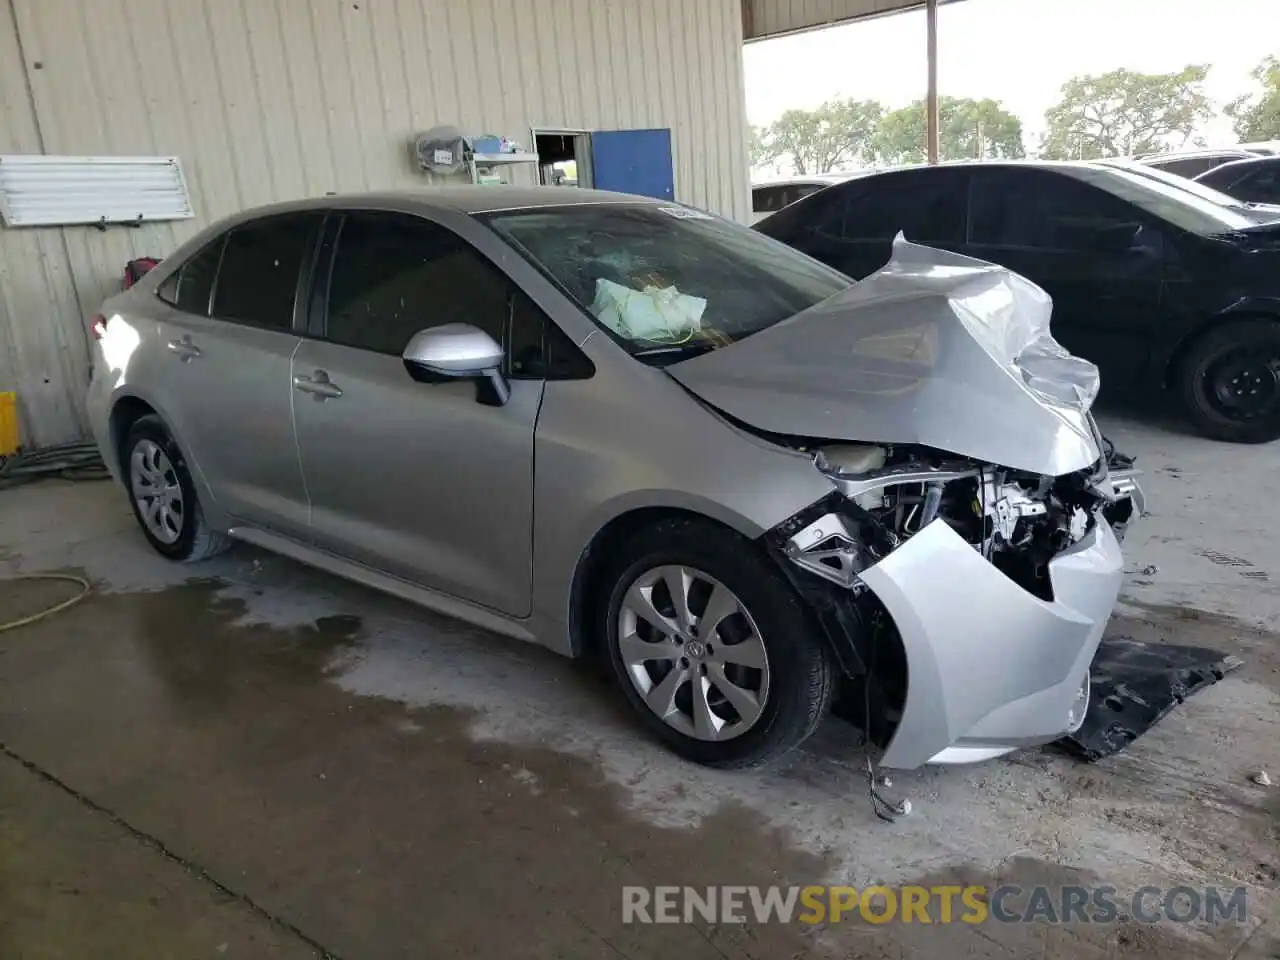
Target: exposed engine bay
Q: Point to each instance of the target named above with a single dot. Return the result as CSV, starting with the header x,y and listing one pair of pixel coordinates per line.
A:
x,y
1016,520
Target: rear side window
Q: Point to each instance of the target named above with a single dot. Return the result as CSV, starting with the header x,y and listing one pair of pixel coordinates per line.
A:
x,y
1191,166
926,209
766,199
395,274
1261,186
258,278
1035,209
188,287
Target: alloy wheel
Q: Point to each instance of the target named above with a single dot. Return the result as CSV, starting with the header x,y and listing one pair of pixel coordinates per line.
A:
x,y
693,652
156,491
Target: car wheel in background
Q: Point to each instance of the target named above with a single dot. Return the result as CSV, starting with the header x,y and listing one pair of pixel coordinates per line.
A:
x,y
711,646
1229,381
163,496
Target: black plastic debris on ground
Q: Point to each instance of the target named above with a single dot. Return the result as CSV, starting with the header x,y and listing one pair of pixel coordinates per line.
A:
x,y
1134,685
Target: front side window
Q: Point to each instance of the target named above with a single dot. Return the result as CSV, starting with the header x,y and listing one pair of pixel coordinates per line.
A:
x,y
258,277
395,274
1039,210
665,275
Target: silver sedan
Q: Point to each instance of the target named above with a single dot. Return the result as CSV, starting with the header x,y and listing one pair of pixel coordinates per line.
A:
x,y
622,427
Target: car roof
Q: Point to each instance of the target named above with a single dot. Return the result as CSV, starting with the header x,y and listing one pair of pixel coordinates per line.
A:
x,y
1240,152
466,199
817,179
1065,166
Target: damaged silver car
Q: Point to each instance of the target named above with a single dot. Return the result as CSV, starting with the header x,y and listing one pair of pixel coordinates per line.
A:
x,y
622,427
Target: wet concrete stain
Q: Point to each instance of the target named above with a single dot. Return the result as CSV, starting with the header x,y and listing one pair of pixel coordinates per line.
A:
x,y
381,831
388,831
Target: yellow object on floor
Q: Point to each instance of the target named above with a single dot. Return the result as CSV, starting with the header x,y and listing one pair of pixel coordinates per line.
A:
x,y
8,423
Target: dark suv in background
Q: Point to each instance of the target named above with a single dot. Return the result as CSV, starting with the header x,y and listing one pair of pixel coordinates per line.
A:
x,y
1163,288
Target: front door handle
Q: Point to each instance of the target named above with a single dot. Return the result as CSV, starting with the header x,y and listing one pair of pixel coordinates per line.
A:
x,y
184,349
318,385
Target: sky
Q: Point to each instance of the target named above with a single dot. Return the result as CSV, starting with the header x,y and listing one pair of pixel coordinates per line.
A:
x,y
1019,52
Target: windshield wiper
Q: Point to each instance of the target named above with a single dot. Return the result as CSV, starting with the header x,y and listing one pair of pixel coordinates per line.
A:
x,y
673,350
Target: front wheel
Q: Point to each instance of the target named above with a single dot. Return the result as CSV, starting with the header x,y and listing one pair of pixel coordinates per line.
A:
x,y
1230,382
711,646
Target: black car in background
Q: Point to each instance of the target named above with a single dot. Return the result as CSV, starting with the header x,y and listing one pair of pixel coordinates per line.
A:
x,y
1250,181
1161,287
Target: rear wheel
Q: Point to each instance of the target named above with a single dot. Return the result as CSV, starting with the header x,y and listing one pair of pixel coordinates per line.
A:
x,y
163,496
1230,382
711,646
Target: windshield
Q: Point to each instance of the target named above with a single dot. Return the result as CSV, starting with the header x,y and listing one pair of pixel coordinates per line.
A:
x,y
667,278
1182,183
1191,206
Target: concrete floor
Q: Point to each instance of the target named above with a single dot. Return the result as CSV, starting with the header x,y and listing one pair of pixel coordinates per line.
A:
x,y
269,762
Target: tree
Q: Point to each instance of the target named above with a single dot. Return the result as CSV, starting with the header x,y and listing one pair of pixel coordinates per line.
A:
x,y
1122,113
818,141
967,128
758,151
1258,118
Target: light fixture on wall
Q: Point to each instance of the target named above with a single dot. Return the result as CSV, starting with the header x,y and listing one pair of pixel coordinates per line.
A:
x,y
58,191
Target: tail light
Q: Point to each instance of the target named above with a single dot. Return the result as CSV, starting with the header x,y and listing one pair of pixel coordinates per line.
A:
x,y
98,326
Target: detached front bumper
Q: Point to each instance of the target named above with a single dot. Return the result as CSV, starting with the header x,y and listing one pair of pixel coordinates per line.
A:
x,y
990,667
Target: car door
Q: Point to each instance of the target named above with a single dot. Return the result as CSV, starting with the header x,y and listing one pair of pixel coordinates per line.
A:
x,y
229,338
418,480
1099,257
853,225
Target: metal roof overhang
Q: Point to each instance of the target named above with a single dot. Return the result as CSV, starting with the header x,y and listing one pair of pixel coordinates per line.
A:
x,y
762,19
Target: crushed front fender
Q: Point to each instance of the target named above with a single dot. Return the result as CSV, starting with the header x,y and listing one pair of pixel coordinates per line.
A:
x,y
990,667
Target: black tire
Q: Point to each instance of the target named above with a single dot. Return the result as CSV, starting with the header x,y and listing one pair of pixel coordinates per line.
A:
x,y
802,675
196,540
1200,375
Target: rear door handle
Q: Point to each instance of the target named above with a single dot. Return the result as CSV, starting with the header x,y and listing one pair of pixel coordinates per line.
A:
x,y
185,350
318,385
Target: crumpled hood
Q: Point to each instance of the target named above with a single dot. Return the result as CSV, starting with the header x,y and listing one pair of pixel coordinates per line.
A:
x,y
934,348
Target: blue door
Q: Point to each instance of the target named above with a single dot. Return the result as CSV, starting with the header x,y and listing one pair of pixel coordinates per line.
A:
x,y
633,161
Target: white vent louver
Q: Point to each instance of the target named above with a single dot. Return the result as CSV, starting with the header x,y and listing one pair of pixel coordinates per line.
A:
x,y
47,191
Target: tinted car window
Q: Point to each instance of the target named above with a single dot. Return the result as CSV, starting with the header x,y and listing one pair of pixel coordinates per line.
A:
x,y
395,274
188,287
1190,166
766,199
258,277
1042,210
928,209
1260,186
538,348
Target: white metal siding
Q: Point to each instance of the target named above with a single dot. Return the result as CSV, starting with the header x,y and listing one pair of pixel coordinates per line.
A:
x,y
771,18
275,99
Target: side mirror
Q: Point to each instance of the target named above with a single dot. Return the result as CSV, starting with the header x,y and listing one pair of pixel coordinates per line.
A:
x,y
458,351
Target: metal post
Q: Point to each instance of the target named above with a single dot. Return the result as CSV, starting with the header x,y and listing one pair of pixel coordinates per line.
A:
x,y
931,98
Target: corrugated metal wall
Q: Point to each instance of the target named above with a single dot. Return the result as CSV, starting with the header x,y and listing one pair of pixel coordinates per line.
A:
x,y
771,18
275,99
